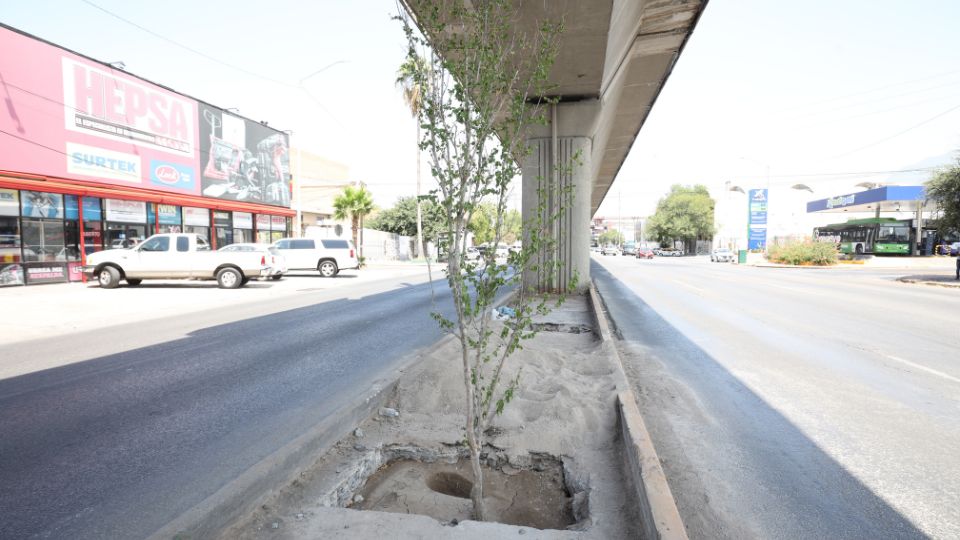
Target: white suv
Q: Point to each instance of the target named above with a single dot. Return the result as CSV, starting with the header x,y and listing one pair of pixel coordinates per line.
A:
x,y
327,256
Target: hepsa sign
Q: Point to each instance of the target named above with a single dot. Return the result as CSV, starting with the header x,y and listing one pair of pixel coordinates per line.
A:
x,y
99,103
66,116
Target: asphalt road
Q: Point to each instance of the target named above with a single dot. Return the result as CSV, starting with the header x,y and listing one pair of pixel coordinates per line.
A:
x,y
795,403
119,444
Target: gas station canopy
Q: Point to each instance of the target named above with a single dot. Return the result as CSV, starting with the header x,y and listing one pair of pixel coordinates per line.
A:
x,y
882,199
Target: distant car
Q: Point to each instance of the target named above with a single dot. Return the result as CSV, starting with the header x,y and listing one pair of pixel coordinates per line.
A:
x,y
644,253
721,255
472,254
328,255
629,249
671,252
595,249
277,262
955,249
610,250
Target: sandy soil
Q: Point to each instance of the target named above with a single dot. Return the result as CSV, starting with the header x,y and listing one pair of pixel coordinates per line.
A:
x,y
565,408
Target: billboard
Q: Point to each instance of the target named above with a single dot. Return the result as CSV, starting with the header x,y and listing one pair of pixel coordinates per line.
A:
x,y
757,225
70,117
243,160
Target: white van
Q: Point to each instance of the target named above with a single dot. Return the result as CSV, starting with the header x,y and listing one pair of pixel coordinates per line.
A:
x,y
327,255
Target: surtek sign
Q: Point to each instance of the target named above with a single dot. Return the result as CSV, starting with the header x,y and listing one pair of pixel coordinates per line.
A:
x,y
757,225
104,105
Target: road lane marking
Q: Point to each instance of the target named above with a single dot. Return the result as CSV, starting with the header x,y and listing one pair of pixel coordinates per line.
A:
x,y
698,289
924,368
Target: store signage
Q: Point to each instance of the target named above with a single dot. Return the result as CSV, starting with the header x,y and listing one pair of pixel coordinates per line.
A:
x,y
242,160
45,273
263,222
168,214
278,223
164,173
197,217
11,274
91,209
103,103
242,220
101,163
845,200
9,202
757,225
125,211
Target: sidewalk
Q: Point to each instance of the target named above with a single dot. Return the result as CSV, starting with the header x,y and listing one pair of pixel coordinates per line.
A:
x,y
42,311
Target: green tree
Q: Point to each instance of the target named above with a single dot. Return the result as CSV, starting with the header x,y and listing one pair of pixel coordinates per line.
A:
x,y
475,112
483,224
402,218
612,236
686,214
410,82
353,204
944,188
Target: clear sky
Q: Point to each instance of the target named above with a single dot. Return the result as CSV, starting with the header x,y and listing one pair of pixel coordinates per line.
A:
x,y
802,89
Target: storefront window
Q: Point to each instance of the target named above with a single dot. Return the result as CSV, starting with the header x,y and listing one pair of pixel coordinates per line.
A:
x,y
223,224
126,223
242,227
171,220
92,225
197,221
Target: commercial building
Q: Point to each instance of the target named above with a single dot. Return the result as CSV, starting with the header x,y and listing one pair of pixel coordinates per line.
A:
x,y
93,157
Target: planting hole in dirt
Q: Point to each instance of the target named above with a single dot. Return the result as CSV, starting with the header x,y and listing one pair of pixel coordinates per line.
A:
x,y
535,497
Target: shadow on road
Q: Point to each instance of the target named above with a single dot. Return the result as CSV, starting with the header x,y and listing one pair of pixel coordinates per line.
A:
x,y
117,446
782,483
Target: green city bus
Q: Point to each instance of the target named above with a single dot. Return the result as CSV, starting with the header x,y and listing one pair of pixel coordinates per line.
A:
x,y
881,236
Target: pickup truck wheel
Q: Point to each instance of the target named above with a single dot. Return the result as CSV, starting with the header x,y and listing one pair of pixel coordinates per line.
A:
x,y
229,278
327,268
134,282
276,277
109,277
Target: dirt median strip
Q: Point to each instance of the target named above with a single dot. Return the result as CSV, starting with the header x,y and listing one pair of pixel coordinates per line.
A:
x,y
657,506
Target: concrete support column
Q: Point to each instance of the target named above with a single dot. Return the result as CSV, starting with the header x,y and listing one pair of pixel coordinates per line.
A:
x,y
556,183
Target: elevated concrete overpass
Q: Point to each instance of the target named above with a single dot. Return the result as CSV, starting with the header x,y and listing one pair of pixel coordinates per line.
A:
x,y
613,60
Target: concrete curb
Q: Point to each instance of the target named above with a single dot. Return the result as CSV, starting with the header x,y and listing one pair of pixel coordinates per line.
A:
x,y
661,519
249,490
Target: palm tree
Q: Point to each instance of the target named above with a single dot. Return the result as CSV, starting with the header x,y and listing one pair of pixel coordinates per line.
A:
x,y
410,77
353,203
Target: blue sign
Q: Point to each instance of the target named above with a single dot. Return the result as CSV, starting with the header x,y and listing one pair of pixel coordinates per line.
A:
x,y
175,175
757,225
91,209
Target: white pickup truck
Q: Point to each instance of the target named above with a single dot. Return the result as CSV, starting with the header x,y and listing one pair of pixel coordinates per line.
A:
x,y
174,256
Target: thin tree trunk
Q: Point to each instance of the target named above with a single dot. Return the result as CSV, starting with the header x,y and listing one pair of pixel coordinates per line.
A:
x,y
420,249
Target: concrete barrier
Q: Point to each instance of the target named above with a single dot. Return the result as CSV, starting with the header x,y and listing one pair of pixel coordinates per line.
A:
x,y
660,518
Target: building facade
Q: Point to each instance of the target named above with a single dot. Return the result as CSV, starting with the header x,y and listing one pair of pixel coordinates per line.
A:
x,y
92,157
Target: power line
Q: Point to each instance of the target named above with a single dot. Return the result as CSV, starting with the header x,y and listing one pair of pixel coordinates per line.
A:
x,y
895,135
190,49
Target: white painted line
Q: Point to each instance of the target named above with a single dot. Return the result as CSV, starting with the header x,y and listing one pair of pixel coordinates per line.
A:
x,y
924,368
698,289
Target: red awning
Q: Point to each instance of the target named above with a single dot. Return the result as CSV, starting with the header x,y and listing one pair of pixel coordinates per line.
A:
x,y
72,187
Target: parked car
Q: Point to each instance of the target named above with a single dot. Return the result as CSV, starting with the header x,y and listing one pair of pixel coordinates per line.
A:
x,y
277,262
670,252
595,249
644,253
629,249
327,255
721,255
610,250
174,256
472,254
955,249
